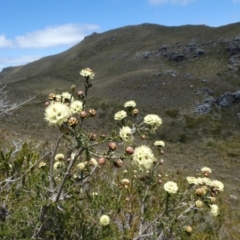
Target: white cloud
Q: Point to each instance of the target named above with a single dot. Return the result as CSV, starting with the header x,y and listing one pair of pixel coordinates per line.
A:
x,y
67,34
4,42
177,2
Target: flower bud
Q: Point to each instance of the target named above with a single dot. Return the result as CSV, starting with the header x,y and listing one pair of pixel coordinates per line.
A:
x,y
102,161
161,161
129,150
83,114
118,163
81,94
112,146
47,104
143,136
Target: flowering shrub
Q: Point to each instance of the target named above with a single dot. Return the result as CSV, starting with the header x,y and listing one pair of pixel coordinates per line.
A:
x,y
106,186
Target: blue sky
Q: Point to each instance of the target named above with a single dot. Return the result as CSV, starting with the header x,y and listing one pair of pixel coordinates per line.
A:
x,y
32,29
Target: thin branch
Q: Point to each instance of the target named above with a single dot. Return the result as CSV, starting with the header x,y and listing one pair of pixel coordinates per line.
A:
x,y
51,177
67,173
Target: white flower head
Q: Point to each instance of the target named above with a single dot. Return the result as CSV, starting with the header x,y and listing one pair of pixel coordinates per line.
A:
x,y
217,185
171,187
57,113
76,107
120,115
66,96
130,104
104,220
94,194
126,134
214,210
81,165
125,181
58,98
159,143
200,181
58,165
206,171
87,72
153,120
192,180
93,162
143,157
199,203
207,181
59,157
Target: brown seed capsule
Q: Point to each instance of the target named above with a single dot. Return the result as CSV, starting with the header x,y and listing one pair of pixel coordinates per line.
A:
x,y
112,146
72,121
135,111
102,161
51,96
93,136
92,112
129,150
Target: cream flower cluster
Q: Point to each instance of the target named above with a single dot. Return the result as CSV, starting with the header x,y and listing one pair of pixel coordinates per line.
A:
x,y
217,185
76,107
206,171
81,165
104,220
192,180
130,104
66,96
59,157
171,187
153,120
87,72
61,108
126,134
58,165
120,115
57,113
159,143
143,157
214,210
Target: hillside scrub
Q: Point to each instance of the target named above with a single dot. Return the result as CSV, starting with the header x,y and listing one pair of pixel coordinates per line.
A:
x,y
97,185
